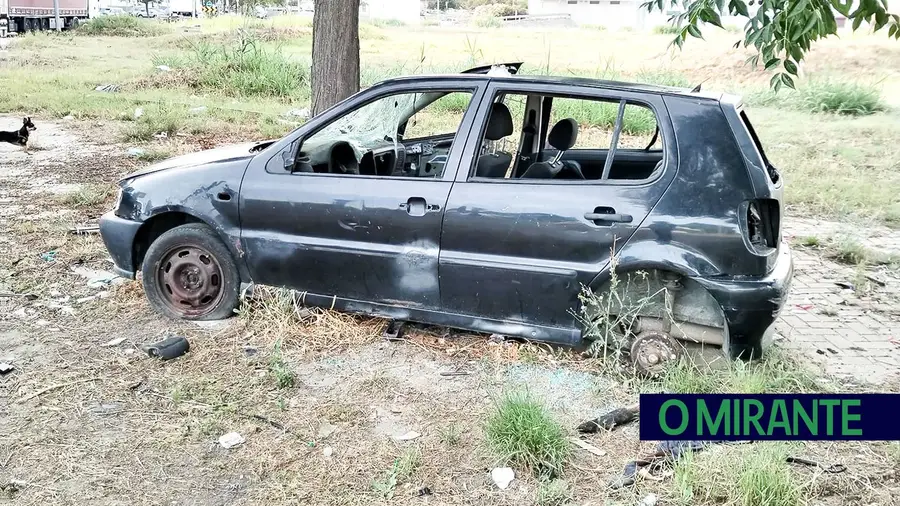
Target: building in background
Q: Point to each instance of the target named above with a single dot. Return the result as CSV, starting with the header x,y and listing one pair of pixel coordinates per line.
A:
x,y
612,14
407,11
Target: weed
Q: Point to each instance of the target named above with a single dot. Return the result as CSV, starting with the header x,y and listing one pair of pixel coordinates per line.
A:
x,y
161,120
553,493
88,195
850,251
154,155
450,434
666,30
243,68
521,431
121,26
776,373
809,241
663,77
381,23
743,476
840,97
402,469
284,376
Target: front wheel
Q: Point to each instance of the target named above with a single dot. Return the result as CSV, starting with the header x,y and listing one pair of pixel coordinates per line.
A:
x,y
189,274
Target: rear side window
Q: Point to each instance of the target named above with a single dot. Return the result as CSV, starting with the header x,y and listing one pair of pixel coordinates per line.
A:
x,y
770,169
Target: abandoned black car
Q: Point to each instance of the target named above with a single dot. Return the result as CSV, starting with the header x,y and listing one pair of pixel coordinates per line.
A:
x,y
487,201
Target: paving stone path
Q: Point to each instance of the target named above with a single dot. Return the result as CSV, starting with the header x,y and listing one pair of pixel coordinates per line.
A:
x,y
837,317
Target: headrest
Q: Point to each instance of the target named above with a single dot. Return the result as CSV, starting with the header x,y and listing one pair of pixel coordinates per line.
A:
x,y
563,134
500,124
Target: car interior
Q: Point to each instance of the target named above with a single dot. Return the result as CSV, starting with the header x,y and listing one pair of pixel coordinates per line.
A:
x,y
553,151
373,139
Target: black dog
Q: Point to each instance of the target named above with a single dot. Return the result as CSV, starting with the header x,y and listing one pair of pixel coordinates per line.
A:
x,y
20,136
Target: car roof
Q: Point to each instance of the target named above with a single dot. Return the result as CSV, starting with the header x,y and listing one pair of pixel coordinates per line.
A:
x,y
570,81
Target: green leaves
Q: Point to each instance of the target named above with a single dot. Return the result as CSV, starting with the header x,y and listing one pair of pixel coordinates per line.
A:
x,y
790,66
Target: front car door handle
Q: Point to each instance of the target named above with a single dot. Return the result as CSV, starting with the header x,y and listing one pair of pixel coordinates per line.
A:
x,y
609,218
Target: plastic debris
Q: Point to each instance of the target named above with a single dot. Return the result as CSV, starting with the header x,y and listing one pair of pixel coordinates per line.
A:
x,y
115,342
85,230
325,430
230,440
6,368
164,68
169,348
135,151
502,476
409,436
198,109
328,451
48,256
108,88
297,113
97,278
138,112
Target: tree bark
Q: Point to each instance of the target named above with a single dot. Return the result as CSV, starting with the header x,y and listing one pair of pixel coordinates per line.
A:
x,y
335,52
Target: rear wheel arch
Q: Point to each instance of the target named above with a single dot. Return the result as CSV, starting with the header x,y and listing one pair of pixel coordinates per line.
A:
x,y
641,290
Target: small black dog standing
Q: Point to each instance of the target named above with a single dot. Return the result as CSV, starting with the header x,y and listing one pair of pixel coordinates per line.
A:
x,y
20,136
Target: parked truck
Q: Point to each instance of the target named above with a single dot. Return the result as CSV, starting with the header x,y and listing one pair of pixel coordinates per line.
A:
x,y
20,16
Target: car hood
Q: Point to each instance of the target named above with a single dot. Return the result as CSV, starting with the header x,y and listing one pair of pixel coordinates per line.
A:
x,y
229,153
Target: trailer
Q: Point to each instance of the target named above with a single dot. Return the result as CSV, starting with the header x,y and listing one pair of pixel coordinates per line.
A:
x,y
20,16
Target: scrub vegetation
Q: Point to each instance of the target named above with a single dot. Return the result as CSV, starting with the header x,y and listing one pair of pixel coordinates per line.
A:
x,y
329,410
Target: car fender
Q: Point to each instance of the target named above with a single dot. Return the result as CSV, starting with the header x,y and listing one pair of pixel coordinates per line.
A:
x,y
651,255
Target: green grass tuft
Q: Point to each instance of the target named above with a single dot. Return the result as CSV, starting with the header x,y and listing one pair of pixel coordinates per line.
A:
x,y
402,469
156,120
521,431
89,195
281,371
748,475
841,97
121,26
776,372
666,30
553,493
154,155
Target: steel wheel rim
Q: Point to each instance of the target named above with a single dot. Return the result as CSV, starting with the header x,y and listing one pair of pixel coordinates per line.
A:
x,y
189,280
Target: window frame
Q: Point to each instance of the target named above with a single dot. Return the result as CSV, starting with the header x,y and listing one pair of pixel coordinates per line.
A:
x,y
652,101
474,85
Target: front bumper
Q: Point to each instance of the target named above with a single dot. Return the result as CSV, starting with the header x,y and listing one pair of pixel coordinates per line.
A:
x,y
752,305
118,235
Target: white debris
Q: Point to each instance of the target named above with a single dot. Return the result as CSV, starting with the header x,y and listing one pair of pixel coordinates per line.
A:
x,y
164,68
231,440
584,445
135,151
20,313
328,451
198,109
98,279
409,436
42,323
297,113
138,112
649,500
502,476
115,342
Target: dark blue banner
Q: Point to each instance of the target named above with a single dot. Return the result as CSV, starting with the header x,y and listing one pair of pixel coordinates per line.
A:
x,y
773,417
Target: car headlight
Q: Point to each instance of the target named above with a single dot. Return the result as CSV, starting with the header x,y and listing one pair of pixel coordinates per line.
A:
x,y
118,199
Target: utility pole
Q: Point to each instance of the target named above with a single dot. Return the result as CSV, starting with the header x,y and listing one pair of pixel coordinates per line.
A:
x,y
56,15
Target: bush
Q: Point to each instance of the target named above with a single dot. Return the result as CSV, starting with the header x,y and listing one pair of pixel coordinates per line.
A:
x,y
121,26
522,432
243,68
522,5
853,99
498,10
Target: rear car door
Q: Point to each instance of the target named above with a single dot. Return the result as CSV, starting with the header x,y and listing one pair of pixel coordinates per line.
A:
x,y
352,208
520,250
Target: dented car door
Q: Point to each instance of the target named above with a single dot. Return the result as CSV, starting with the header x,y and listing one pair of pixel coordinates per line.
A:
x,y
371,233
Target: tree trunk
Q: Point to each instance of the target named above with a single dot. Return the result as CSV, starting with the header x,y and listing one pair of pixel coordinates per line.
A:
x,y
335,52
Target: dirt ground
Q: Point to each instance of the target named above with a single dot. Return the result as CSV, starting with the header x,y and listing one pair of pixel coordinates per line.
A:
x,y
87,418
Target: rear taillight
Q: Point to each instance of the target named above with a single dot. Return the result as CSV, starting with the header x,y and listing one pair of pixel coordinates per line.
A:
x,y
763,219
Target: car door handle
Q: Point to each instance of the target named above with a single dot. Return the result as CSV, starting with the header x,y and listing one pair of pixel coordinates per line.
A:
x,y
417,206
599,218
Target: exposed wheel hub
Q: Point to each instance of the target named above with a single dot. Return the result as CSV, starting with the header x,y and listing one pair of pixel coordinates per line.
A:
x,y
190,280
652,352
